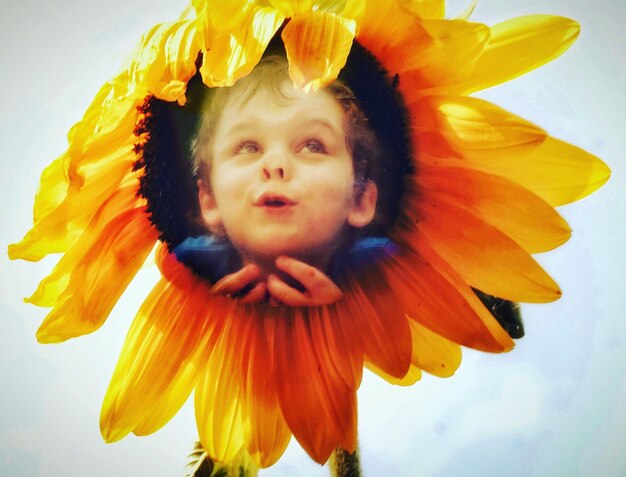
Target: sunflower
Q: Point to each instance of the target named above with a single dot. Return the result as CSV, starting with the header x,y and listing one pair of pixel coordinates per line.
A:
x,y
478,202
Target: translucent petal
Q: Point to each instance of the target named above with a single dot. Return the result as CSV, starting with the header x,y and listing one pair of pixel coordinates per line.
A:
x,y
233,54
319,408
558,172
443,57
485,257
99,276
379,27
317,46
512,209
434,295
518,46
456,125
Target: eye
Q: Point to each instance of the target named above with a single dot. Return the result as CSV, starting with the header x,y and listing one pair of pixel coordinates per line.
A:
x,y
314,146
248,147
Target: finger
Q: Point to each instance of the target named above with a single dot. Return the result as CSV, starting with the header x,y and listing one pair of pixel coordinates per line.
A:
x,y
235,282
321,289
256,295
283,293
310,277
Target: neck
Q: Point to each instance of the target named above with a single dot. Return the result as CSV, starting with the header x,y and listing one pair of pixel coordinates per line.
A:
x,y
267,264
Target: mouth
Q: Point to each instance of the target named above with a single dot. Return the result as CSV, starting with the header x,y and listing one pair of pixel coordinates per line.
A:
x,y
273,201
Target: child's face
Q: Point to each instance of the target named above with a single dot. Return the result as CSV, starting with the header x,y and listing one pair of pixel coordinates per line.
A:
x,y
282,178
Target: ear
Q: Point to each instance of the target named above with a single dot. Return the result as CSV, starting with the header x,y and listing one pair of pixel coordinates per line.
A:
x,y
208,207
364,207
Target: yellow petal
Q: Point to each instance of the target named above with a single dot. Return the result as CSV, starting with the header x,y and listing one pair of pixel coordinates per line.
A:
x,y
486,258
99,276
74,186
317,46
53,285
233,54
219,395
432,352
162,356
424,8
215,16
456,125
512,209
290,8
520,45
413,375
164,61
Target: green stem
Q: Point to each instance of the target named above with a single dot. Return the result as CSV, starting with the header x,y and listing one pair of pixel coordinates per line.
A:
x,y
344,464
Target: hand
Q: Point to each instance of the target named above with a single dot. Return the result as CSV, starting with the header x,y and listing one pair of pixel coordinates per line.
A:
x,y
236,283
319,289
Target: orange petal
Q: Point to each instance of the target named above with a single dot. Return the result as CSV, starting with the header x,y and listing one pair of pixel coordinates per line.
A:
x,y
318,406
99,276
317,46
436,296
266,433
485,257
234,53
379,319
518,46
162,356
521,215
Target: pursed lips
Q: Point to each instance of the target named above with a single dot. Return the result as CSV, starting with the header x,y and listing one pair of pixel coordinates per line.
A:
x,y
274,201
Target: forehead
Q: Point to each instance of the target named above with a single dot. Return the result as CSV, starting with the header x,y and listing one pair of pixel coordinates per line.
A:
x,y
280,105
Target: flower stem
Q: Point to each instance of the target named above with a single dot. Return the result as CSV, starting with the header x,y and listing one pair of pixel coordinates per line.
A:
x,y
344,464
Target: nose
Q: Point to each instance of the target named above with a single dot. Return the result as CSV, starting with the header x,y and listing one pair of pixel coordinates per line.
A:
x,y
277,173
276,165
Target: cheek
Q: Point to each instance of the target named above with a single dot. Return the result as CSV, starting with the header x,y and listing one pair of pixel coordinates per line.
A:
x,y
228,184
333,198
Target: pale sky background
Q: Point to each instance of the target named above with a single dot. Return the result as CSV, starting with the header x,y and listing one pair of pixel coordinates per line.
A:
x,y
555,406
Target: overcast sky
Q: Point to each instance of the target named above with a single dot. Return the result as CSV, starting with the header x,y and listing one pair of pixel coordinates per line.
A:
x,y
555,406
